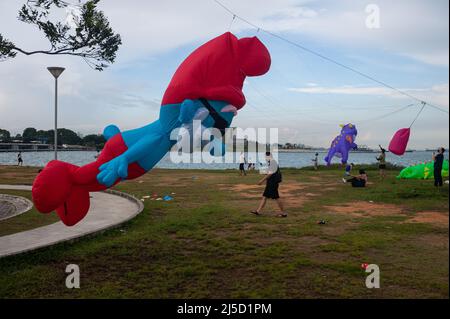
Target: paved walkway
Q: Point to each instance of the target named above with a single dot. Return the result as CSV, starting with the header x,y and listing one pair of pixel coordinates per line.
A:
x,y
108,209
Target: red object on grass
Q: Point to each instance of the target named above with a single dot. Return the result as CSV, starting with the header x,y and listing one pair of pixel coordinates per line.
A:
x,y
364,266
399,142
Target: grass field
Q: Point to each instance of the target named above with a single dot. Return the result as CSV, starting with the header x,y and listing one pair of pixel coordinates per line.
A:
x,y
27,220
205,244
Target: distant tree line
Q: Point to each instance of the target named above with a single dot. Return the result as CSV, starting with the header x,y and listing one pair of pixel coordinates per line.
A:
x,y
65,136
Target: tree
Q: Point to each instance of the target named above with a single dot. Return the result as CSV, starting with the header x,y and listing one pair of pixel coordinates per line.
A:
x,y
29,134
67,136
43,136
89,36
94,140
5,136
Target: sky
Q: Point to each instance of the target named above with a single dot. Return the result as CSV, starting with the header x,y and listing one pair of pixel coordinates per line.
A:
x,y
304,96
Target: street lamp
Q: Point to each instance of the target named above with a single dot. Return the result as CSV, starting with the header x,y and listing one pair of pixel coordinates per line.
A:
x,y
56,72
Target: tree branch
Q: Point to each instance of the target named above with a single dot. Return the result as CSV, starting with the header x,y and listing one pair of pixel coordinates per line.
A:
x,y
92,39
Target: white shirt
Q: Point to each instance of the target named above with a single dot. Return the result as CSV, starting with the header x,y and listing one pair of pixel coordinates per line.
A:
x,y
242,159
272,166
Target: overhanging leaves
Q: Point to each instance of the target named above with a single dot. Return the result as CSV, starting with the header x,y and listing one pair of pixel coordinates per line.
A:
x,y
90,35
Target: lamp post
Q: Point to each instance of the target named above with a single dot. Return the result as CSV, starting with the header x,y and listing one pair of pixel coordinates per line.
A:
x,y
56,72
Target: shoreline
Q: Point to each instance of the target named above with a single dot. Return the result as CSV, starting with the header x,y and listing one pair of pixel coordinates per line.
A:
x,y
322,168
40,151
312,151
286,158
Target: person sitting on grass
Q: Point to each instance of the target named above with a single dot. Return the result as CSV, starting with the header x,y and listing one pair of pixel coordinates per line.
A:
x,y
251,164
272,179
358,181
348,171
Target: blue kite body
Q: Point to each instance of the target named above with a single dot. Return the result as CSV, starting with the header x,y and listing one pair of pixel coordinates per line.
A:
x,y
342,144
147,145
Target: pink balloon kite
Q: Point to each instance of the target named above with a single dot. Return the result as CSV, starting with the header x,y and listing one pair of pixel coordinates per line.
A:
x,y
399,142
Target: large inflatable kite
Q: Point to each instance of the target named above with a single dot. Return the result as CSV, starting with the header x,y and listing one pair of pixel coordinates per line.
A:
x,y
399,141
342,144
422,171
209,81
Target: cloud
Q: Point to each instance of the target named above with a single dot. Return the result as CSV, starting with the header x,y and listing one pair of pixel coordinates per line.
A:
x,y
345,90
413,28
157,35
437,94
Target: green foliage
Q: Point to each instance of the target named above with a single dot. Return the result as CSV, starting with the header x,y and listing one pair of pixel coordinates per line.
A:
x,y
5,136
65,136
6,49
94,140
68,136
29,134
92,38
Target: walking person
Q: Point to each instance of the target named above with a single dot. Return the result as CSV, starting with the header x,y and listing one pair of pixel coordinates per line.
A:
x,y
438,162
242,162
316,161
19,159
382,163
272,179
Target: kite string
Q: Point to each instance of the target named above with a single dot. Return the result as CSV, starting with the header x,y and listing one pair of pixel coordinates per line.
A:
x,y
418,114
232,21
387,114
327,58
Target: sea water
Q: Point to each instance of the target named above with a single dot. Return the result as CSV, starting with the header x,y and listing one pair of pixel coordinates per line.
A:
x,y
285,159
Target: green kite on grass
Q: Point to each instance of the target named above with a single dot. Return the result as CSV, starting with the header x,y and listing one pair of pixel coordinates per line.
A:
x,y
422,171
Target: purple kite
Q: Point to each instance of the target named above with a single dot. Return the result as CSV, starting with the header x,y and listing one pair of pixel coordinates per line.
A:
x,y
342,144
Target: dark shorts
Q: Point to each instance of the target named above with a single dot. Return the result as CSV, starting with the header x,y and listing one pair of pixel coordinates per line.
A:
x,y
382,166
241,167
271,190
356,182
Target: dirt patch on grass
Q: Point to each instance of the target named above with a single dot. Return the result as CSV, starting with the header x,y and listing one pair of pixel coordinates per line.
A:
x,y
434,218
338,228
287,187
367,209
361,209
292,201
290,192
435,241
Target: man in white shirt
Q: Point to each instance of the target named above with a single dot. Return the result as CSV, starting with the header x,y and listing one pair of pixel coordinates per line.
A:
x,y
272,180
242,163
